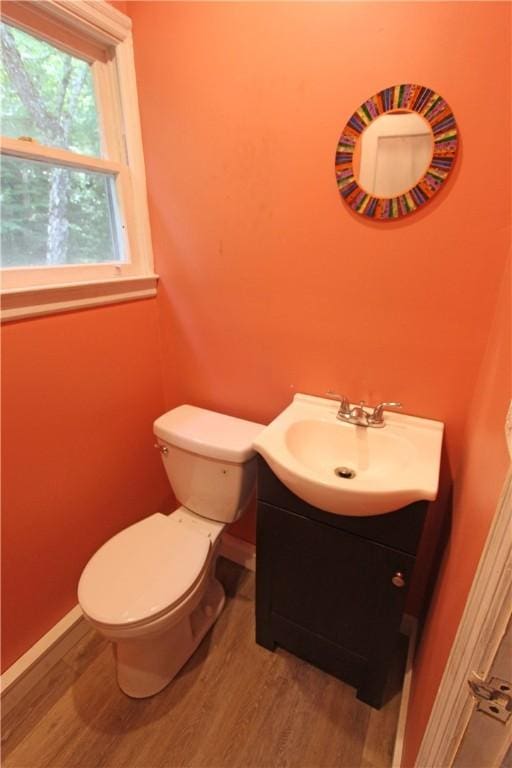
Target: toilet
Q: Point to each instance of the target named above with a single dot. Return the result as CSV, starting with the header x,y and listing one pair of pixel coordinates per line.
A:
x,y
151,589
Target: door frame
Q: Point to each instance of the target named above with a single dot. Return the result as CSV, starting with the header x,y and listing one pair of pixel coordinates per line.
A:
x,y
480,631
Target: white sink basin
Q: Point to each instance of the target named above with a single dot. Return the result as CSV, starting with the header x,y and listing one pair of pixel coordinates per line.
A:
x,y
347,469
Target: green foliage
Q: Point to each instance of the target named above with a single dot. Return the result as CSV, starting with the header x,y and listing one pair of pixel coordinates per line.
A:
x,y
52,73
25,214
48,214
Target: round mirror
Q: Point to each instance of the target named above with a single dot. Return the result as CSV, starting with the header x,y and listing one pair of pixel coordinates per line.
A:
x,y
396,151
393,154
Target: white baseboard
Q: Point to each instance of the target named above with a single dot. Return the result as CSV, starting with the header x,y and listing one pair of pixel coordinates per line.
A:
x,y
30,668
238,551
409,628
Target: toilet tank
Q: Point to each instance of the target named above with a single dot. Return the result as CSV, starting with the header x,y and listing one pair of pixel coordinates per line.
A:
x,y
209,460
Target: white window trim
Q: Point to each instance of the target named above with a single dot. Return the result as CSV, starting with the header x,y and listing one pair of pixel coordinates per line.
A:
x,y
96,23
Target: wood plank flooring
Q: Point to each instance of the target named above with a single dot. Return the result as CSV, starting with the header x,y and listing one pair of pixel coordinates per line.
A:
x,y
234,705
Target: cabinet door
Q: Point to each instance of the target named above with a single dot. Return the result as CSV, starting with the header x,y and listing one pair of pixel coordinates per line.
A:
x,y
337,585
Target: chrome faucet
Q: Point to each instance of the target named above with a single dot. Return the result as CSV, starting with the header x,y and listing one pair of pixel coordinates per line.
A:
x,y
359,414
344,408
377,417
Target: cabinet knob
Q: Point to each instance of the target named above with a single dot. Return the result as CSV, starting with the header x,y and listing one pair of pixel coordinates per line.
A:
x,y
398,579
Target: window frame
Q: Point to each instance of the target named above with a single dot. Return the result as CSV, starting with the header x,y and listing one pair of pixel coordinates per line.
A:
x,y
101,35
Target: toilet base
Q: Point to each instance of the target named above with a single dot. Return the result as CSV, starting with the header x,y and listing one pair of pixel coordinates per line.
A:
x,y
146,664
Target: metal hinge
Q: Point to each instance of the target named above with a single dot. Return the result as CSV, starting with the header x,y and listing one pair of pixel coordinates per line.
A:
x,y
494,697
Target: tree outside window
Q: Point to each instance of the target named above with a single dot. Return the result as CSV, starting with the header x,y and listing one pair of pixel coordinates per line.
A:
x,y
52,214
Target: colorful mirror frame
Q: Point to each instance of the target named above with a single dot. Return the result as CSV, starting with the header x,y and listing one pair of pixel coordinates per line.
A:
x,y
410,98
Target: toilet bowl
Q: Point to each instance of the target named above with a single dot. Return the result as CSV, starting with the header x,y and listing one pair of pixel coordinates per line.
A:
x,y
151,589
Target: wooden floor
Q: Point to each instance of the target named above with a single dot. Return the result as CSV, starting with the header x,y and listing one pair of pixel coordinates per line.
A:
x,y
233,704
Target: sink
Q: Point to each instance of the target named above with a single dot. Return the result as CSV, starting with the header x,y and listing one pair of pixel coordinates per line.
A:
x,y
352,470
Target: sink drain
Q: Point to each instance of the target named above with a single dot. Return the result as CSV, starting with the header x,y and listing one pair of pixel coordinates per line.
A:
x,y
345,472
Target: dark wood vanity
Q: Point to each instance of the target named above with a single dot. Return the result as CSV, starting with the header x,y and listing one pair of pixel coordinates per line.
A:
x,y
331,588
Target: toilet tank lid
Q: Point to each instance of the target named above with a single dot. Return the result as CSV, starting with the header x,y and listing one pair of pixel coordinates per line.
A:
x,y
208,433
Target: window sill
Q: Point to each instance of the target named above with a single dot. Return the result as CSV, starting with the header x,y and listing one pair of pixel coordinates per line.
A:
x,y
18,304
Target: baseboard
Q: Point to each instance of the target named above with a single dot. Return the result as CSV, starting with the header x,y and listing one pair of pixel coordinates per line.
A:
x,y
409,628
238,551
30,668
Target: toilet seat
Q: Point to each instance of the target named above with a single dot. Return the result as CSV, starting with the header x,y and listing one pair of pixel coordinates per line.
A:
x,y
145,570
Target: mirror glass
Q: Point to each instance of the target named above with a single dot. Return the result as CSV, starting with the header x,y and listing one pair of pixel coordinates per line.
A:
x,y
393,153
396,151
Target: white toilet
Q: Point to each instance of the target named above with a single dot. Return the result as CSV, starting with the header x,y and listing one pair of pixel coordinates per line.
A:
x,y
151,589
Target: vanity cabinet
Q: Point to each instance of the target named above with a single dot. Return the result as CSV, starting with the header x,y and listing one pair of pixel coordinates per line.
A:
x,y
332,588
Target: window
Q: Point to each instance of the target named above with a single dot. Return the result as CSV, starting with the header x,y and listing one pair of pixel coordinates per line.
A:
x,y
74,214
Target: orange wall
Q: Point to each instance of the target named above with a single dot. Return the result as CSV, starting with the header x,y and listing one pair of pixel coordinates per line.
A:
x,y
269,285
121,5
80,392
481,478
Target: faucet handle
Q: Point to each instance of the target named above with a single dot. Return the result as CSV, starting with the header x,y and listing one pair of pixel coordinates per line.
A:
x,y
377,417
343,400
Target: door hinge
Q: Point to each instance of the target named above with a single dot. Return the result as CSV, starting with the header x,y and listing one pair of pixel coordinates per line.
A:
x,y
494,696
